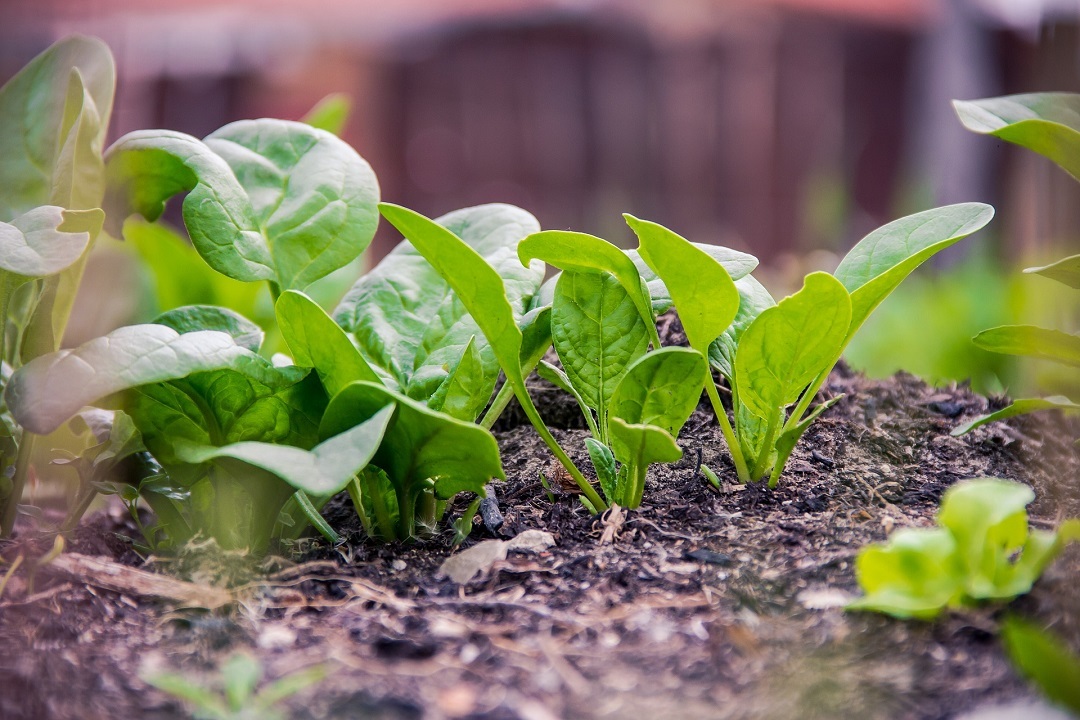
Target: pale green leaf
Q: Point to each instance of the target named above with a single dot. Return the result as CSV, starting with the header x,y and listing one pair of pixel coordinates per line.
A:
x,y
330,114
1020,407
1066,270
1032,341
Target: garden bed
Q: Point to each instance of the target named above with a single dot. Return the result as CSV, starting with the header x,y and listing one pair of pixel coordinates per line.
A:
x,y
703,603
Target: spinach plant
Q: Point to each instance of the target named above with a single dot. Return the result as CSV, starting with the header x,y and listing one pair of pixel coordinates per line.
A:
x,y
233,695
634,402
54,115
981,550
1049,124
776,356
238,437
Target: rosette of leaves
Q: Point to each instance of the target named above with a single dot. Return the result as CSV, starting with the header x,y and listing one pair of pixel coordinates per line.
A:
x,y
54,114
981,550
237,436
1049,124
776,356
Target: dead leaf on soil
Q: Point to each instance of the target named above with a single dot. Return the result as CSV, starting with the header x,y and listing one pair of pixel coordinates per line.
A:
x,y
467,564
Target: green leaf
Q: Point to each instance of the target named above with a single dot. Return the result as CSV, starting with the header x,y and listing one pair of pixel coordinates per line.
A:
x,y
44,393
45,240
267,199
53,117
913,575
1032,341
660,389
739,265
558,378
1048,123
315,340
603,463
882,259
597,332
411,325
701,289
987,518
330,114
181,686
1066,270
587,254
791,344
638,446
1019,407
192,318
240,674
463,393
322,471
754,299
420,444
1045,660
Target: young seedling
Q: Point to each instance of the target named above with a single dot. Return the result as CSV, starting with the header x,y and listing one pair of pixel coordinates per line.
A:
x,y
233,695
776,357
602,321
981,550
1049,124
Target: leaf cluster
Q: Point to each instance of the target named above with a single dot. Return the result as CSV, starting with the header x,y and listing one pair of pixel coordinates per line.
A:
x,y
1049,124
980,550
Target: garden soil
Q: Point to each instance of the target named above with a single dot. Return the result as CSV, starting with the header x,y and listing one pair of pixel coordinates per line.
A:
x,y
703,603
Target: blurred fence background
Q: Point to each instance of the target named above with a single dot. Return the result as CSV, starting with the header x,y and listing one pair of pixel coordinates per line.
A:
x,y
776,126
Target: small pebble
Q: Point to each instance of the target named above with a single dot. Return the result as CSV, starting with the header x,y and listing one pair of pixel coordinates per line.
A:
x,y
399,565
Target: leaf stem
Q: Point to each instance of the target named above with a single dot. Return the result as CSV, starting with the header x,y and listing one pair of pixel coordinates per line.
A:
x,y
18,482
502,399
315,518
729,435
557,451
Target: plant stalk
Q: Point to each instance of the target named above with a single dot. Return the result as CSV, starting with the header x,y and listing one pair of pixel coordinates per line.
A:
x,y
18,482
729,435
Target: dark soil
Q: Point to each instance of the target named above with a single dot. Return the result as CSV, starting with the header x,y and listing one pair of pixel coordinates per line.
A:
x,y
703,604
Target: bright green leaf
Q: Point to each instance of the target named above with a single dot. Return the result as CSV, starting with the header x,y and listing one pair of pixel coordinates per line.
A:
x,y
1066,270
754,299
914,574
315,340
1019,407
330,114
660,389
701,289
882,259
1048,123
322,471
597,332
790,344
1032,341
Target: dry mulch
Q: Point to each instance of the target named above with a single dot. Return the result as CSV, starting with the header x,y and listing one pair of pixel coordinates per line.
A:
x,y
701,604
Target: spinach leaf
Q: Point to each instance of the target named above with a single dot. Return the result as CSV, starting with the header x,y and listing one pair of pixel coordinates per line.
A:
x,y
484,295
192,318
788,345
1019,407
47,391
411,325
597,332
660,389
428,456
1066,270
1033,341
317,341
1048,123
330,114
588,254
1045,660
267,199
322,471
638,446
754,299
880,261
982,550
53,115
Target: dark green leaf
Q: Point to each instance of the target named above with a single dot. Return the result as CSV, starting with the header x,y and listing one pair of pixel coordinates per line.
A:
x,y
267,199
603,463
192,318
420,444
